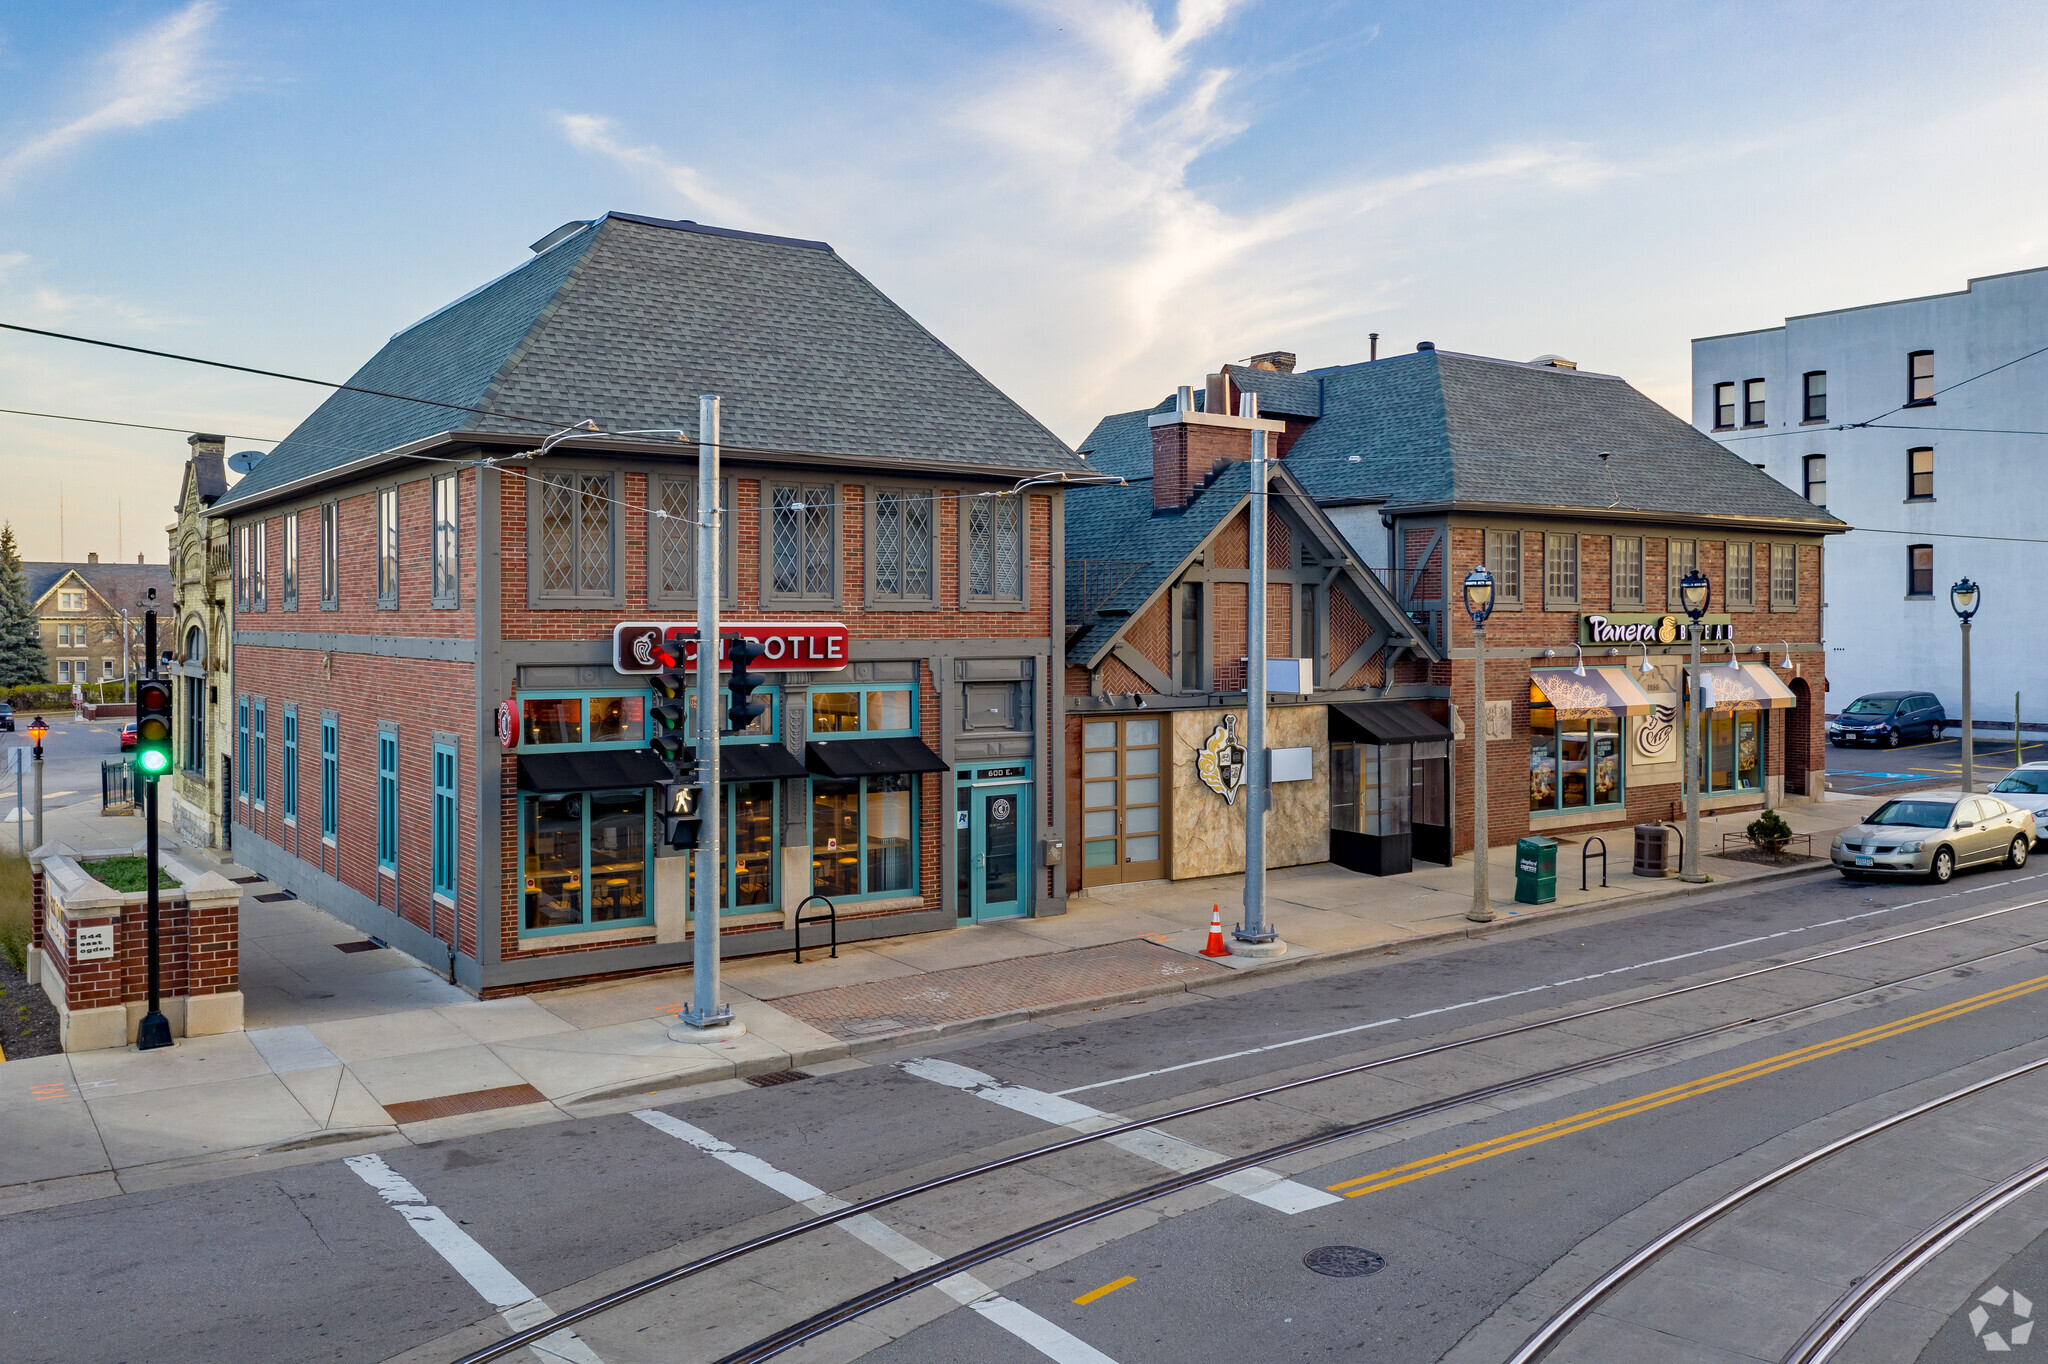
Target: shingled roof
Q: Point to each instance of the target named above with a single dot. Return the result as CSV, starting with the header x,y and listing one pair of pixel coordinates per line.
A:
x,y
627,320
118,584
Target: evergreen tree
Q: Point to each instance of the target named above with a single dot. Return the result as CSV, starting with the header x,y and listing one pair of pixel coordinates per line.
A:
x,y
21,636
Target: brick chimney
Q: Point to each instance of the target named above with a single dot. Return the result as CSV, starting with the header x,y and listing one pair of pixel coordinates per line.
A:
x,y
1188,446
92,558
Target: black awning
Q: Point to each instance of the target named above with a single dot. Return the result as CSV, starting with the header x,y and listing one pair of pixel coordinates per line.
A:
x,y
871,757
601,771
757,762
1383,722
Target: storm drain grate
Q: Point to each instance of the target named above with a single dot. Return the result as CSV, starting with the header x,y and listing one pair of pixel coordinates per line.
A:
x,y
776,1077
1344,1262
273,899
361,945
247,880
475,1101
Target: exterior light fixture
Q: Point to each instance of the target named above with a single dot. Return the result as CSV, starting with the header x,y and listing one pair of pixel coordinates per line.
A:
x,y
1580,670
1695,593
1648,667
1963,597
1479,594
1786,662
1479,605
37,728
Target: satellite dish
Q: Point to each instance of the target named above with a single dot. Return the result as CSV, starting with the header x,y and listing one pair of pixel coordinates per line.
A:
x,y
242,461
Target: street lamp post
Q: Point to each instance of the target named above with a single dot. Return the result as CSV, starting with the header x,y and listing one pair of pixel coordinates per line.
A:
x,y
37,728
1479,605
1694,595
1963,599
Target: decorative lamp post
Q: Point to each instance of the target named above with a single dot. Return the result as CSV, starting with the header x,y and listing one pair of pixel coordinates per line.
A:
x,y
1479,605
37,728
1964,598
1695,593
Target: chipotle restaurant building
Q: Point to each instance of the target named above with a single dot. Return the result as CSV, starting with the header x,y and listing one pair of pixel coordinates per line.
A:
x,y
438,736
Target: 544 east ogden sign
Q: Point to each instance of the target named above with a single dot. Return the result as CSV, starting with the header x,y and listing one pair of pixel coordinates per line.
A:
x,y
786,645
1652,628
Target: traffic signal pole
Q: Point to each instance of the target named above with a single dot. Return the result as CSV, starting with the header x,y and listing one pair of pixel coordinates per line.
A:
x,y
708,1016
155,1030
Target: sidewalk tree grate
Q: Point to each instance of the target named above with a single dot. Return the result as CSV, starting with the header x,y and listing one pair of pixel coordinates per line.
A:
x,y
454,1105
1344,1262
360,945
777,1077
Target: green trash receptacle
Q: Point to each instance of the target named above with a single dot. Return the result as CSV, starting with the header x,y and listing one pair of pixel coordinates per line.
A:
x,y
1535,870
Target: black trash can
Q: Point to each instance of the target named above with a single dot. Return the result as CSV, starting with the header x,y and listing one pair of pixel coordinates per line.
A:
x,y
1651,856
1535,870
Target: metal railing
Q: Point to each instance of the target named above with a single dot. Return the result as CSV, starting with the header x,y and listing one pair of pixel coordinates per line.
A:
x,y
117,784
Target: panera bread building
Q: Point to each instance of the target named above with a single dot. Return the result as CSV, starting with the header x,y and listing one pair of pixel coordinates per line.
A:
x,y
433,741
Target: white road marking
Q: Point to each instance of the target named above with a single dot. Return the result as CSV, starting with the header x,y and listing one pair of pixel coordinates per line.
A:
x,y
518,1304
1019,1320
1554,985
1148,1143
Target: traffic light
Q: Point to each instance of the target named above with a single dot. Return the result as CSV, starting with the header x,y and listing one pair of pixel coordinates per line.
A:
x,y
153,728
741,653
680,816
671,713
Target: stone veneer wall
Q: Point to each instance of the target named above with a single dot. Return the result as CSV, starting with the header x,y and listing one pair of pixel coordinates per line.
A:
x,y
1208,834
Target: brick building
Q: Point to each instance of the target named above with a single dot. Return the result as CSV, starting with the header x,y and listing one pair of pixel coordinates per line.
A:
x,y
403,570
90,615
1587,500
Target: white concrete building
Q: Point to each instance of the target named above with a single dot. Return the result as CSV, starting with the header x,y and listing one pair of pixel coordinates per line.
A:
x,y
1898,418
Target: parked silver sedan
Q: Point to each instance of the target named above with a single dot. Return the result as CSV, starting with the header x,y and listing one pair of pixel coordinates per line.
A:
x,y
1932,836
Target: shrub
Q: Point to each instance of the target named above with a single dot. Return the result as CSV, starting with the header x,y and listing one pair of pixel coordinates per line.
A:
x,y
16,898
1770,832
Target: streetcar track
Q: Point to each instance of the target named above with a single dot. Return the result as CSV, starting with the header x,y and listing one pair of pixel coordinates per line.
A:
x,y
912,1282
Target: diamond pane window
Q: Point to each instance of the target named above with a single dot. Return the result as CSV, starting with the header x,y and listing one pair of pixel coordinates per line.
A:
x,y
572,541
800,540
995,548
679,537
901,545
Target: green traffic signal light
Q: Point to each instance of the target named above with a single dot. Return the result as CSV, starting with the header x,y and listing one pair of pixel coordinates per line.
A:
x,y
153,760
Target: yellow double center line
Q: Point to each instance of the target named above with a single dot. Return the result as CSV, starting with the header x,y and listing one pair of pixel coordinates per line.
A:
x,y
1564,1127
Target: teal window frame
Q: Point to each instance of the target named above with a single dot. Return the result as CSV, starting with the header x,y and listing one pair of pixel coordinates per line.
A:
x,y
445,865
649,835
259,752
1556,805
387,801
290,772
586,695
330,779
864,787
1709,747
242,747
728,830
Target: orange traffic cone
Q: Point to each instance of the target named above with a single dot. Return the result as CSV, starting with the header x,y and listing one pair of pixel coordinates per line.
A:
x,y
1216,947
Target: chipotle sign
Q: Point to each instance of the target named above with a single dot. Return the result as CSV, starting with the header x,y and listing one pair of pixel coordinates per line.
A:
x,y
787,645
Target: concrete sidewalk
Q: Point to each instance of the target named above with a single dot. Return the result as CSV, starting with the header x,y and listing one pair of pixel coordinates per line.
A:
x,y
353,1047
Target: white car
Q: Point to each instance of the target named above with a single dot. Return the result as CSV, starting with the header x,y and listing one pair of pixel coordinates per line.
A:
x,y
2026,786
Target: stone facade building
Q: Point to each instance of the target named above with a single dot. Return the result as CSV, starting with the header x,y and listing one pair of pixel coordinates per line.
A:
x,y
432,738
197,633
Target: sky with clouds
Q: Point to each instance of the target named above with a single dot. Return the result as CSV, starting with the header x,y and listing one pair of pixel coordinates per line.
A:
x,y
1092,200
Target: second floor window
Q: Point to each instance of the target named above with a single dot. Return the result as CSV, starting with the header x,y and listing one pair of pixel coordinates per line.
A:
x,y
70,601
800,540
1920,475
1753,402
1784,577
447,567
900,546
1504,561
387,547
994,565
1741,573
1628,570
289,565
1684,557
1920,377
330,554
1560,568
1817,395
1724,406
1919,570
572,546
1191,673
1817,480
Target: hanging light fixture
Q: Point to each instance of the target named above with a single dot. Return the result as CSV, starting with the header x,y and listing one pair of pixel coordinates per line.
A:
x,y
1786,662
1581,669
1648,667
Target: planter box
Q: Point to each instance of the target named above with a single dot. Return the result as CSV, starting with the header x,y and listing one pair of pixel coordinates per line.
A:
x,y
90,951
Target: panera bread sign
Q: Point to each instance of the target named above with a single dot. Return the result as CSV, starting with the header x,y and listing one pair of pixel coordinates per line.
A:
x,y
1652,629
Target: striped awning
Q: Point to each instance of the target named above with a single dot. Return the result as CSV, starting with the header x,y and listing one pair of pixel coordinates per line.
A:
x,y
1749,687
1601,692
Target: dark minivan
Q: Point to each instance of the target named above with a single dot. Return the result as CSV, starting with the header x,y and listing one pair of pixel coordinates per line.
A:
x,y
1888,718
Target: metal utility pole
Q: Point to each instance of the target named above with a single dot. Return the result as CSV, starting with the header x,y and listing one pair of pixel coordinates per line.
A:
x,y
1482,892
708,1015
154,1030
1255,937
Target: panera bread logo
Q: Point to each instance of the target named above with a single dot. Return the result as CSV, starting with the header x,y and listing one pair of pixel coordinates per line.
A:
x,y
1651,629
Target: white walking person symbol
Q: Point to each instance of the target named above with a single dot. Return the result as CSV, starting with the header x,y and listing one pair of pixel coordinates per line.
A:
x,y
2019,1333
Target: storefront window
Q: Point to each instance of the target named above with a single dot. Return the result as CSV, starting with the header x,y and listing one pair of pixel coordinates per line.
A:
x,y
1732,743
553,834
880,711
585,859
1574,764
746,862
550,718
618,856
864,830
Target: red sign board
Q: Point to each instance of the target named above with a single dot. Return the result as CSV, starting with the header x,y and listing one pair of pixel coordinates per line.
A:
x,y
508,725
788,645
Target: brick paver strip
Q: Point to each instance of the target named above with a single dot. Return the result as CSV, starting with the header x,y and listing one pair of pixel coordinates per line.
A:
x,y
908,1003
476,1101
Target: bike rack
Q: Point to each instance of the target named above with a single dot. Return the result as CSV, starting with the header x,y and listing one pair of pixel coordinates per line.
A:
x,y
1681,844
1586,855
830,916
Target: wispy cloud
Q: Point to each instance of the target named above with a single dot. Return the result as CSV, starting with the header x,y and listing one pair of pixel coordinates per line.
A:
x,y
591,133
155,76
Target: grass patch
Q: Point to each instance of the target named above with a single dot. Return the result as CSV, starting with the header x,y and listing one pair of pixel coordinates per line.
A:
x,y
127,874
15,900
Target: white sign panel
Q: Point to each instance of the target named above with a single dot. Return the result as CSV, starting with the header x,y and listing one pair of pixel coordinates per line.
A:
x,y
19,760
1296,675
95,942
1291,764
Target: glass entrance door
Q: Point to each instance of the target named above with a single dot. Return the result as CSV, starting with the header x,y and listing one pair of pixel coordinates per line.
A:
x,y
998,861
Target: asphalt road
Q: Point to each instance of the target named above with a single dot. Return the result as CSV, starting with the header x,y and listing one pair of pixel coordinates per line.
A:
x,y
72,753
1917,766
311,1262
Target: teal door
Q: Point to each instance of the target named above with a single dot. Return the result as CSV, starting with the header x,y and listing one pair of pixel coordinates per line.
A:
x,y
998,870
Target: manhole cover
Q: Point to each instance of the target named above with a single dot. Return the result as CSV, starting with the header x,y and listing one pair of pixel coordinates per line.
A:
x,y
1344,1262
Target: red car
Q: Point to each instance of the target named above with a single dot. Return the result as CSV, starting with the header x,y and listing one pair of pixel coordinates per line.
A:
x,y
127,736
